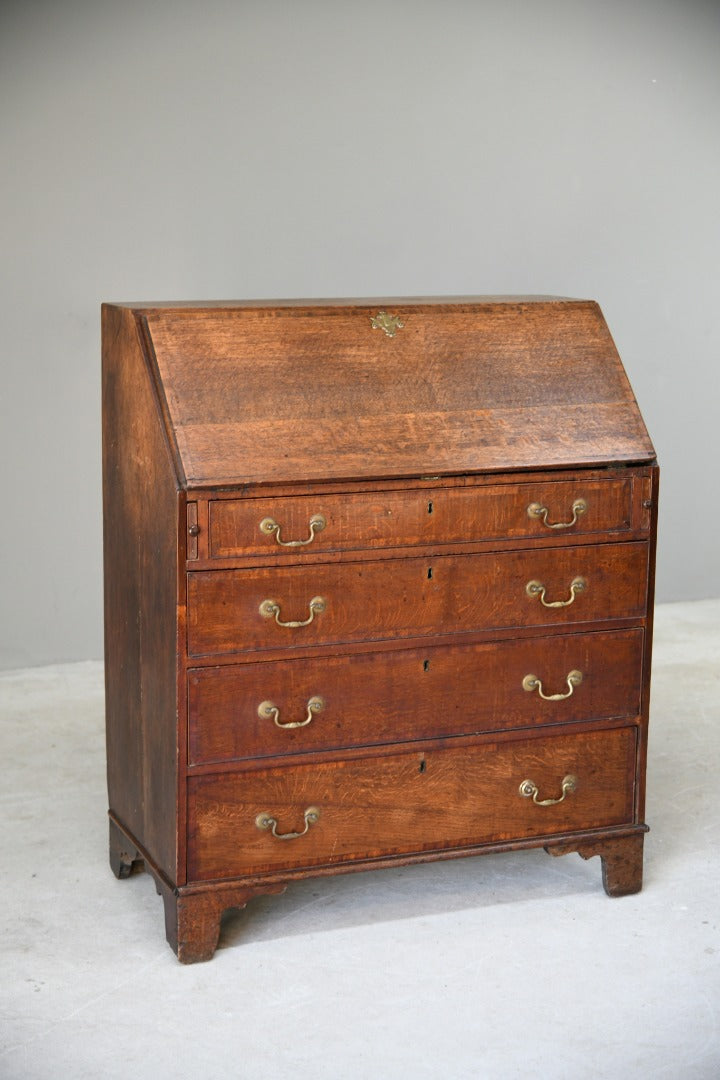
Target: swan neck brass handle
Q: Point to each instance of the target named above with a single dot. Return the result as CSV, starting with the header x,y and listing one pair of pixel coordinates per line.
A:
x,y
271,609
531,682
267,822
537,589
269,709
537,510
529,790
270,527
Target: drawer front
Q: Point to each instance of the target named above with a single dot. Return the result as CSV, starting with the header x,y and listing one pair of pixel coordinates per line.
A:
x,y
235,611
375,520
407,802
331,702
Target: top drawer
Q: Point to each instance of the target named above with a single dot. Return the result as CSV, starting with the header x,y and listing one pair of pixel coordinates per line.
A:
x,y
418,516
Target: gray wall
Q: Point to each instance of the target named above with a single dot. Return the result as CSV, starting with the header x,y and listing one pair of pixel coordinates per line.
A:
x,y
164,150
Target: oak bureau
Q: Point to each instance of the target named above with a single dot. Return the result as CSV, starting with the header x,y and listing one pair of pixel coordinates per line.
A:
x,y
378,590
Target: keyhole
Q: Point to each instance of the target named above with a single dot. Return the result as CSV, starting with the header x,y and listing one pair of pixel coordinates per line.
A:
x,y
426,665
430,508
430,572
423,765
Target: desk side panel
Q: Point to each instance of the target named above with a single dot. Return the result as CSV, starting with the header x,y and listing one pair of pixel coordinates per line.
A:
x,y
141,503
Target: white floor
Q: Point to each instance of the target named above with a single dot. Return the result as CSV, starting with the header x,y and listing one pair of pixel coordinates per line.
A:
x,y
497,967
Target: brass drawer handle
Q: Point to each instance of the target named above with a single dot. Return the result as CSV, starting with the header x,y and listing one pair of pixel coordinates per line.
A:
x,y
269,708
536,588
531,682
267,821
270,608
269,526
537,510
529,790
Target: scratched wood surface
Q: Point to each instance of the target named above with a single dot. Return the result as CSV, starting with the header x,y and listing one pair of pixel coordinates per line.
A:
x,y
262,395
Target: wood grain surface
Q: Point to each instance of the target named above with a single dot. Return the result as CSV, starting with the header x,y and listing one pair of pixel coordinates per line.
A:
x,y
141,505
408,801
414,516
316,393
442,595
395,697
422,451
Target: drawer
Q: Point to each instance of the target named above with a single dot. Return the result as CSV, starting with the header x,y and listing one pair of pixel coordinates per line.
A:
x,y
407,802
331,702
236,611
375,520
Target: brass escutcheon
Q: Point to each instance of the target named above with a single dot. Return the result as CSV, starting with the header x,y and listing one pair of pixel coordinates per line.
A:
x,y
269,709
529,790
267,822
531,682
537,510
389,323
270,527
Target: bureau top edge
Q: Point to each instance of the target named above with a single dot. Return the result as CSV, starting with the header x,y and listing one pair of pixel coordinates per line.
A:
x,y
319,303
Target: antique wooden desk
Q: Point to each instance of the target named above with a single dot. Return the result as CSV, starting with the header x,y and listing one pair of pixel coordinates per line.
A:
x,y
378,588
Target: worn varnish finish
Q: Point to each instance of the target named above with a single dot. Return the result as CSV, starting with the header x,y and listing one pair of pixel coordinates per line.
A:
x,y
421,453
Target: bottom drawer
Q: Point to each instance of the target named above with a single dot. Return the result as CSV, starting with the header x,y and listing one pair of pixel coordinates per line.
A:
x,y
407,802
